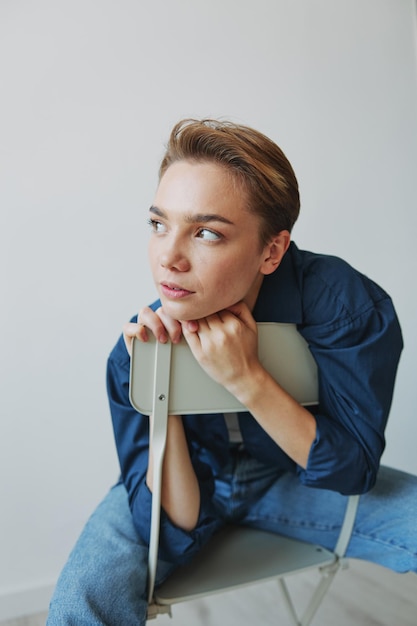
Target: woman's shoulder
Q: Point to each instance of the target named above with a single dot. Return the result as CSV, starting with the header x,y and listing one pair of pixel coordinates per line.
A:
x,y
333,287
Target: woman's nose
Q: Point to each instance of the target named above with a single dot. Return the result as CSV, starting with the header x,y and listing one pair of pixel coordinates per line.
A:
x,y
174,257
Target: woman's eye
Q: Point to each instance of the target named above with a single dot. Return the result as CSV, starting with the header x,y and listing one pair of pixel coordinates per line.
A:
x,y
156,226
208,235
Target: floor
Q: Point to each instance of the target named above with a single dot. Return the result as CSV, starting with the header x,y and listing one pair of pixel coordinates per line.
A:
x,y
362,595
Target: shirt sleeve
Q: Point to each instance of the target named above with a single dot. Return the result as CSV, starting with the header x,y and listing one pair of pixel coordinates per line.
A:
x,y
131,431
357,350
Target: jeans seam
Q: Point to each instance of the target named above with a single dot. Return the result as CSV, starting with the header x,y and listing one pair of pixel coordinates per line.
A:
x,y
382,542
291,524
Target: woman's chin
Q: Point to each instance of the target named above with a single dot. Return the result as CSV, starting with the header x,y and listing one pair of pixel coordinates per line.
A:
x,y
177,311
184,313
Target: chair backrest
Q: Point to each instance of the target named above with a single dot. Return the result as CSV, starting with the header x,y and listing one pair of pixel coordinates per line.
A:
x,y
282,351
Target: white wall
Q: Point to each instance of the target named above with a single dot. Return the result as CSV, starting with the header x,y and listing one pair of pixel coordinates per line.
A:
x,y
89,91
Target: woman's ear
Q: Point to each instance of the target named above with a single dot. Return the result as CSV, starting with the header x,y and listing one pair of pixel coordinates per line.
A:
x,y
274,251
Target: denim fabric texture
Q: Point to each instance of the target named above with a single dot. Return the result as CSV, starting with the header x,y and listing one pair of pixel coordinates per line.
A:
x,y
104,580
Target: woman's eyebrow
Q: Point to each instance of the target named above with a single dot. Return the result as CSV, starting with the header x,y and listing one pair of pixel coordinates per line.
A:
x,y
156,211
206,217
195,218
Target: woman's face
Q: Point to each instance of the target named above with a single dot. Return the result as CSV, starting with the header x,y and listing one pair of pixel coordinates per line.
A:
x,y
205,252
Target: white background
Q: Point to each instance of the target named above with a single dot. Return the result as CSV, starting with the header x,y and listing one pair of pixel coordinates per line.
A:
x,y
89,90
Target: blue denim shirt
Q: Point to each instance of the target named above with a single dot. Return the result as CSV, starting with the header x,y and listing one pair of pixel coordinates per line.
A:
x,y
354,335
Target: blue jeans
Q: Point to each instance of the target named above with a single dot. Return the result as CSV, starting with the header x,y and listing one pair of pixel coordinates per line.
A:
x,y
104,580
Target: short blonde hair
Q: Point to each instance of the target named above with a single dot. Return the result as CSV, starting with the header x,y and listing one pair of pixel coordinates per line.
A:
x,y
253,159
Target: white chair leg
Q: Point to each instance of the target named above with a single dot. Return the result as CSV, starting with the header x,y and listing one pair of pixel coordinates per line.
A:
x,y
288,602
327,574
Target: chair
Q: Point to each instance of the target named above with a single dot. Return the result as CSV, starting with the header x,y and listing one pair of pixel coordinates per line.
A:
x,y
165,379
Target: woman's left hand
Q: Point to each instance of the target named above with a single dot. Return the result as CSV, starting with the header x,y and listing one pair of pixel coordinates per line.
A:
x,y
226,346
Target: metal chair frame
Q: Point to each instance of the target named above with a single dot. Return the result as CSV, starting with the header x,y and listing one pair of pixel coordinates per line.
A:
x,y
237,556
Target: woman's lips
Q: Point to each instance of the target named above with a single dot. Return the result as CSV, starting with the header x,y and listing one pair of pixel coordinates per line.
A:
x,y
174,291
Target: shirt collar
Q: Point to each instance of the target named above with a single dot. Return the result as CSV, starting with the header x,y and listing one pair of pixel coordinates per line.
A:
x,y
279,298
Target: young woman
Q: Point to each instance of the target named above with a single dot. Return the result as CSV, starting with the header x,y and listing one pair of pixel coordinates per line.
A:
x,y
222,260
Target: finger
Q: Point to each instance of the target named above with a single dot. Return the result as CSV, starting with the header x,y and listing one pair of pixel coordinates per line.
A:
x,y
242,311
192,326
171,326
192,337
162,326
132,331
211,321
150,319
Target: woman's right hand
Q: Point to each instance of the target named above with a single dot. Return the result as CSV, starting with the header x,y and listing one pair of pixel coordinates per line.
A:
x,y
162,326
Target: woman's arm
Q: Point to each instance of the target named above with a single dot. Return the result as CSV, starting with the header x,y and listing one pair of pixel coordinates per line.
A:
x,y
290,425
180,495
225,344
